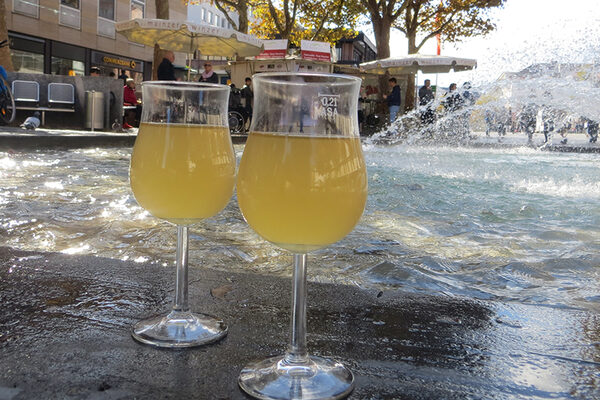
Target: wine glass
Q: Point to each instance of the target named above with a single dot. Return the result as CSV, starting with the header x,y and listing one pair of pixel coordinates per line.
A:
x,y
183,171
302,185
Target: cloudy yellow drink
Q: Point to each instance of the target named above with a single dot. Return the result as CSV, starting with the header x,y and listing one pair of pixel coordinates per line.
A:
x,y
182,173
302,192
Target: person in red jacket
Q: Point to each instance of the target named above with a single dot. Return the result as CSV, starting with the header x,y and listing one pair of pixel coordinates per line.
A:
x,y
130,99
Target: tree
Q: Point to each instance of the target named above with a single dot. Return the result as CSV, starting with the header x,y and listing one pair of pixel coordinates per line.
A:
x,y
453,19
323,20
227,7
384,14
240,7
162,12
5,58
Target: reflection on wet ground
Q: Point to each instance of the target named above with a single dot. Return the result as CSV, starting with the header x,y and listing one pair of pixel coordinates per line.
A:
x,y
65,327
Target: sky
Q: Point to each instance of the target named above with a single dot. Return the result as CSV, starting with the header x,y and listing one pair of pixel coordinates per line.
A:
x,y
528,31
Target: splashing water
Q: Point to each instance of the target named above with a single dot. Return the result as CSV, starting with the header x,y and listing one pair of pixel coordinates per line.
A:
x,y
514,224
561,98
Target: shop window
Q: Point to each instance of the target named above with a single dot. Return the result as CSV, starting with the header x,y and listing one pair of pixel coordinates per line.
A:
x,y
24,61
27,7
137,8
64,66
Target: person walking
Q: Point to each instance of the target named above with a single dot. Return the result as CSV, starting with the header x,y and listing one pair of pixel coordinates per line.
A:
x,y
248,98
592,130
393,99
426,97
528,120
548,118
166,70
209,75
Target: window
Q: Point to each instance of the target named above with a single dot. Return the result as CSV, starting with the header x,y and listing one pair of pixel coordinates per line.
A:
x,y
27,7
106,9
209,19
69,14
27,53
70,3
223,22
217,19
137,8
24,61
64,66
203,14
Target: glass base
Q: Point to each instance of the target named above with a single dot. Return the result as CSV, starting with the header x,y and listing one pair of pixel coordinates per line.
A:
x,y
179,329
277,379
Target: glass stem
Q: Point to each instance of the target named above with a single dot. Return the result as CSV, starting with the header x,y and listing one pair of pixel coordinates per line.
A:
x,y
181,282
297,353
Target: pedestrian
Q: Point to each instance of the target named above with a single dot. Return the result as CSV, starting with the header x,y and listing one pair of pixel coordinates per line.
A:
x,y
426,98
124,76
248,98
467,96
209,75
489,121
592,130
528,119
393,99
166,70
94,71
547,117
453,100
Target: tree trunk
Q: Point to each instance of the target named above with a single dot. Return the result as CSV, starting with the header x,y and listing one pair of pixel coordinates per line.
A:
x,y
382,28
243,17
410,101
5,59
156,60
162,12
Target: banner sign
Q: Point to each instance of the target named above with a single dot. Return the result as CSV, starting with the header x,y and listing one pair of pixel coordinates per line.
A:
x,y
110,60
318,51
274,49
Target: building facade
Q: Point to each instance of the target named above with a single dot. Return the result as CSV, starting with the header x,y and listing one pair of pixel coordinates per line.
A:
x,y
356,50
68,37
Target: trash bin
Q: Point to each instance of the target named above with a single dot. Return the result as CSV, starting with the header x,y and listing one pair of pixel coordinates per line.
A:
x,y
94,110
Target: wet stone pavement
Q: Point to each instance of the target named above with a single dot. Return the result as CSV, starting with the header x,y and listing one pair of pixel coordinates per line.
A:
x,y
65,321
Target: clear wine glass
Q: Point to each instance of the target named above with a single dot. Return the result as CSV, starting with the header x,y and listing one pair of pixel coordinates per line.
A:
x,y
302,185
183,171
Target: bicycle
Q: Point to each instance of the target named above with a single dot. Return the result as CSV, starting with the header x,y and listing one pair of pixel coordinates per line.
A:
x,y
7,100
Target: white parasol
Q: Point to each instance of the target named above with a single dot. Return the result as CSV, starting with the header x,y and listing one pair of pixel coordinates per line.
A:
x,y
187,37
413,63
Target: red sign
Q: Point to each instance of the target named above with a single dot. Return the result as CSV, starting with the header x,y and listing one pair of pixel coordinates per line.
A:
x,y
318,51
274,49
